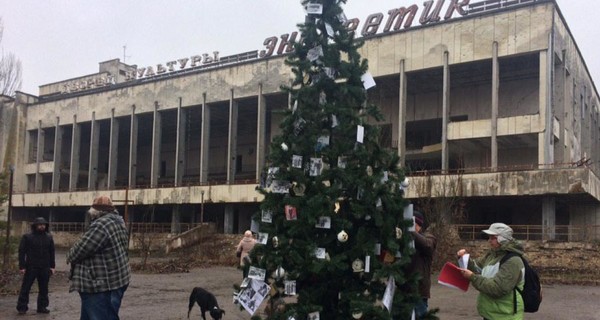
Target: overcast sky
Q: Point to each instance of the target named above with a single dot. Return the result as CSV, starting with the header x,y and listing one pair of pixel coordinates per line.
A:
x,y
61,39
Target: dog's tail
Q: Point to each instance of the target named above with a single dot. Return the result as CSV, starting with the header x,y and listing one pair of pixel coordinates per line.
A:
x,y
192,301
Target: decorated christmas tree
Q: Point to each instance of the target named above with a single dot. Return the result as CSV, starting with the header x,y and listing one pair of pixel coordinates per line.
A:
x,y
333,227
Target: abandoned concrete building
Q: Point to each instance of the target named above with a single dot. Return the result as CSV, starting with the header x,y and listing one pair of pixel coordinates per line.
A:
x,y
491,104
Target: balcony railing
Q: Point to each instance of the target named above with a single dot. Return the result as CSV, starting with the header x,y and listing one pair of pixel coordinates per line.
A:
x,y
536,232
136,227
565,233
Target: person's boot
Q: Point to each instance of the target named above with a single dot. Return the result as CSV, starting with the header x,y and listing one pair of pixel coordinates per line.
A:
x,y
43,310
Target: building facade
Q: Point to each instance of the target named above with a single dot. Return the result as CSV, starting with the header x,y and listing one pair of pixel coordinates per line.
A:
x,y
487,102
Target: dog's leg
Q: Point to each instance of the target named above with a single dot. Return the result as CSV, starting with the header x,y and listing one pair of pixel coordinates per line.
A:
x,y
192,301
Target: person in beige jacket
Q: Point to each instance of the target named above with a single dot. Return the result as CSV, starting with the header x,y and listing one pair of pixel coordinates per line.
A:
x,y
243,248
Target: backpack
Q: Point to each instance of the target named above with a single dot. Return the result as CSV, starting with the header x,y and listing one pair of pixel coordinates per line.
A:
x,y
532,290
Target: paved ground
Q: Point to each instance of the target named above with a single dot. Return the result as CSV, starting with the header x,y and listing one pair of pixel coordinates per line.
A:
x,y
164,296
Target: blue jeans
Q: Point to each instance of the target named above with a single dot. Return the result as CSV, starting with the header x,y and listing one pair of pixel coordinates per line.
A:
x,y
421,308
101,305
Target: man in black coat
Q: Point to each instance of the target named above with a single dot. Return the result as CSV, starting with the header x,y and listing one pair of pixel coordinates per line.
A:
x,y
36,261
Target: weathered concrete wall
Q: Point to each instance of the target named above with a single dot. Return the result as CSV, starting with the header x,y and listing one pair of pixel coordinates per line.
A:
x,y
467,39
535,182
181,195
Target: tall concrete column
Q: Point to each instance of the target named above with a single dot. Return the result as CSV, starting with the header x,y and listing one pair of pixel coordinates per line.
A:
x,y
75,147
546,136
445,113
228,218
180,145
261,123
204,141
232,139
133,143
176,219
94,145
39,157
58,136
156,146
402,116
113,151
494,120
549,217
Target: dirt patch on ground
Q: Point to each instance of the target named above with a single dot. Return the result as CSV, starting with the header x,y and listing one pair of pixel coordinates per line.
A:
x,y
557,263
215,250
160,288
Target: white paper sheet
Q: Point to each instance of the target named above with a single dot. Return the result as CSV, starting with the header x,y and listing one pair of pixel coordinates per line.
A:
x,y
368,81
463,261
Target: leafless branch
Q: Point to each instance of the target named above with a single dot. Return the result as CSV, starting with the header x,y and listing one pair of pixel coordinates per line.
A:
x,y
10,70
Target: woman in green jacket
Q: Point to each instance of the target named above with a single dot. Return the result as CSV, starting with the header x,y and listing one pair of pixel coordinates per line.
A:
x,y
496,283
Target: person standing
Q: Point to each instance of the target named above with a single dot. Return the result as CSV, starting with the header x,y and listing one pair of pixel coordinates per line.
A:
x,y
494,281
243,248
99,260
36,261
421,260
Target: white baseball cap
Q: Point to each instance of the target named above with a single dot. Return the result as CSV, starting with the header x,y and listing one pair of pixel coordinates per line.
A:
x,y
500,229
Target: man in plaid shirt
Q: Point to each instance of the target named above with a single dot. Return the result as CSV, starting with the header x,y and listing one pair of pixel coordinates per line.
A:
x,y
99,261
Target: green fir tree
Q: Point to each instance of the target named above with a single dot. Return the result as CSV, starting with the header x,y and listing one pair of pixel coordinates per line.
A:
x,y
323,186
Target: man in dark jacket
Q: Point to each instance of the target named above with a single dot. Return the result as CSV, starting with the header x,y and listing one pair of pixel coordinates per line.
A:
x,y
36,261
425,243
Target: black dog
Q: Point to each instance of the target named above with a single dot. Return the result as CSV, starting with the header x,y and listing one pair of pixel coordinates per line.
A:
x,y
207,302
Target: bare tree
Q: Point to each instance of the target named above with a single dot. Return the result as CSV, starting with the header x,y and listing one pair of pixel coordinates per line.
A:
x,y
10,70
441,201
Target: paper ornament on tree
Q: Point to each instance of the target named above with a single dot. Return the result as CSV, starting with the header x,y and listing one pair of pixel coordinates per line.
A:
x,y
398,233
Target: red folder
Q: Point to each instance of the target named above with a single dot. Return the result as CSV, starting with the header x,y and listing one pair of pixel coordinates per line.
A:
x,y
451,276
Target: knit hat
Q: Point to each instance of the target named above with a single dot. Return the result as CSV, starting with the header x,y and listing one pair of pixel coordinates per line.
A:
x,y
103,203
248,234
419,219
502,231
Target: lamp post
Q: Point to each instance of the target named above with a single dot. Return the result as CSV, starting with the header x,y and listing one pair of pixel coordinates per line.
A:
x,y
11,168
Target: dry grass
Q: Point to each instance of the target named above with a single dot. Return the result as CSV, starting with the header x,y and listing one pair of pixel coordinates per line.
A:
x,y
215,250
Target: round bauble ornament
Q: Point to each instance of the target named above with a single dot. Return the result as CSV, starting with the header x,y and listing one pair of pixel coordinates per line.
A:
x,y
357,314
279,273
342,236
275,242
358,265
284,146
369,171
298,189
404,184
